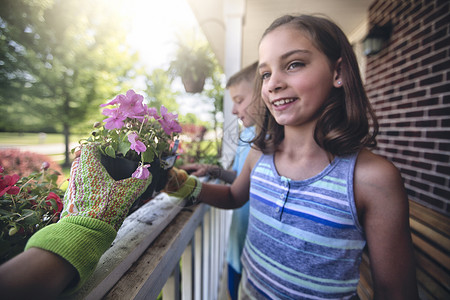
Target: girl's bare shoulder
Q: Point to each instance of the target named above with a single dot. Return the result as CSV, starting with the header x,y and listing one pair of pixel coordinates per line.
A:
x,y
376,179
253,157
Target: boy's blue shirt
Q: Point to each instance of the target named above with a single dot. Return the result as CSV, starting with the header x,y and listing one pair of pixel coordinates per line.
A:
x,y
239,221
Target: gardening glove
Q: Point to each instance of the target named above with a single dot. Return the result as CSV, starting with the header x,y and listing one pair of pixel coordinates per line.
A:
x,y
95,206
182,185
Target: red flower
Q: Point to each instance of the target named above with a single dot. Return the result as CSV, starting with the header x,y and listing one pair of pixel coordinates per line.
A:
x,y
58,201
7,183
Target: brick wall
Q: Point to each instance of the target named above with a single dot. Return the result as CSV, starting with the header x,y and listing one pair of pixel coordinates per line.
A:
x,y
408,84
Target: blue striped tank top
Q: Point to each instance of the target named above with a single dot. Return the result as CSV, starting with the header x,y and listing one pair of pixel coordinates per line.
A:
x,y
304,240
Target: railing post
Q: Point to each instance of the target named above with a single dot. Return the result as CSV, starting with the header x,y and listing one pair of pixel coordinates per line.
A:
x,y
171,290
187,272
198,262
206,283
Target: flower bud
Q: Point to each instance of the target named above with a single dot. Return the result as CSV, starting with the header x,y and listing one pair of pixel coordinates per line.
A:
x,y
45,165
97,124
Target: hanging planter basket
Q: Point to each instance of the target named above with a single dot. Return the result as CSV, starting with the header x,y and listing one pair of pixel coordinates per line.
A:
x,y
193,85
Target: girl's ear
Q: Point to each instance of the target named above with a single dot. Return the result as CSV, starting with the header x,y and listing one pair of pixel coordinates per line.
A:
x,y
337,82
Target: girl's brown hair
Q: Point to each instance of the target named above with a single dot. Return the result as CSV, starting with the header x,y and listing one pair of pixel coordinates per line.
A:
x,y
343,126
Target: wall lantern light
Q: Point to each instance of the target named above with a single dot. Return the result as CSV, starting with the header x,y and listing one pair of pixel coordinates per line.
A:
x,y
376,39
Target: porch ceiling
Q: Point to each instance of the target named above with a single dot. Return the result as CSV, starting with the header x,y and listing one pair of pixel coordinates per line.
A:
x,y
348,14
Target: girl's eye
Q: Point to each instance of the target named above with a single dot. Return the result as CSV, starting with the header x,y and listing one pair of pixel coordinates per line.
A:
x,y
295,64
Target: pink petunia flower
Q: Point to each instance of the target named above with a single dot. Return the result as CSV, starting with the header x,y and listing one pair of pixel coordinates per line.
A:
x,y
132,105
153,112
136,145
116,118
169,121
141,172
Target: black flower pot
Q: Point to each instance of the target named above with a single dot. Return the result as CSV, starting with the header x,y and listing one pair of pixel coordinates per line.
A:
x,y
120,168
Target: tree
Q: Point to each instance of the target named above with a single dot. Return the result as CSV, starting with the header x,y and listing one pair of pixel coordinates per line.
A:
x,y
159,90
215,95
59,59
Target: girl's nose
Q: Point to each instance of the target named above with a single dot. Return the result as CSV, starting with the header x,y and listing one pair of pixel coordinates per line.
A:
x,y
276,82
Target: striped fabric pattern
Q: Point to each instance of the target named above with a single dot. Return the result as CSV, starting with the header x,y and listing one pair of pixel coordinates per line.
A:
x,y
304,240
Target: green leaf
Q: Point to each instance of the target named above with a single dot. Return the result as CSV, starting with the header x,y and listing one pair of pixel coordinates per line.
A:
x,y
5,213
110,151
29,216
124,146
148,155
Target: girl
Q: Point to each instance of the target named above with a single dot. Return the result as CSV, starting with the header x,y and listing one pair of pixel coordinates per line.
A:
x,y
317,195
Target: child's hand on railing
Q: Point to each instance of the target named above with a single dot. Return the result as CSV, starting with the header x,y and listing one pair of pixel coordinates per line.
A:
x,y
182,185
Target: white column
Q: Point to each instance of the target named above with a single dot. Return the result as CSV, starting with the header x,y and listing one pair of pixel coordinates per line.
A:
x,y
234,11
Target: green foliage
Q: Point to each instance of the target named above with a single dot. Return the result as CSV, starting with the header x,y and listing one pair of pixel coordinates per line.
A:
x,y
214,93
159,90
203,152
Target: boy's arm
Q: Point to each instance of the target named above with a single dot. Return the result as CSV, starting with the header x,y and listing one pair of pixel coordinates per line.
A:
x,y
383,211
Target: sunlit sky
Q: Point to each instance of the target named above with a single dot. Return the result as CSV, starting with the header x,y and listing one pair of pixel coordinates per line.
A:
x,y
156,24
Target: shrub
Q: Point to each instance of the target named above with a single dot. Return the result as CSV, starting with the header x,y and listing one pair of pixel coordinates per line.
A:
x,y
23,163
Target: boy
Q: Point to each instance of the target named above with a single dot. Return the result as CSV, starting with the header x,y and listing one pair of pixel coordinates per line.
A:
x,y
240,86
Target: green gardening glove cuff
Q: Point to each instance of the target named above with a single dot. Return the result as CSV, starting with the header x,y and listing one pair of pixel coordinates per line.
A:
x,y
95,206
79,240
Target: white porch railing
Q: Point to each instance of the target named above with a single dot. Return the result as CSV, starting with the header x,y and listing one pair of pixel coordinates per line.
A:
x,y
163,247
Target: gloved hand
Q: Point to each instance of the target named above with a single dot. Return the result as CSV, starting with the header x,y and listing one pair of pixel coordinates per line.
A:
x,y
182,185
95,206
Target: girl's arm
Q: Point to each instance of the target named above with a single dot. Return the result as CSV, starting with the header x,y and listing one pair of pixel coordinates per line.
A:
x,y
235,195
383,211
214,171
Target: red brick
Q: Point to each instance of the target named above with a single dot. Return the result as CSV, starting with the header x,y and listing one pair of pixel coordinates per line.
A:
x,y
441,66
444,88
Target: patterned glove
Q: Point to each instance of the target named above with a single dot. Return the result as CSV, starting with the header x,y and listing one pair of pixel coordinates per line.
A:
x,y
95,206
181,185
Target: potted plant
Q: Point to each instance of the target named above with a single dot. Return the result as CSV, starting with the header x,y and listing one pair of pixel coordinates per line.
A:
x,y
193,63
136,140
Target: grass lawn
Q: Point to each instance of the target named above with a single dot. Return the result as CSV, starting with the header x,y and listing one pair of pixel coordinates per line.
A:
x,y
22,139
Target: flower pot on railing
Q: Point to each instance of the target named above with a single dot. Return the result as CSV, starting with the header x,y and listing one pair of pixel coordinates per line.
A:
x,y
136,141
120,168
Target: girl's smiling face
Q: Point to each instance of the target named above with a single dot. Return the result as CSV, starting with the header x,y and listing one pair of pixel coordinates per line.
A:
x,y
296,77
